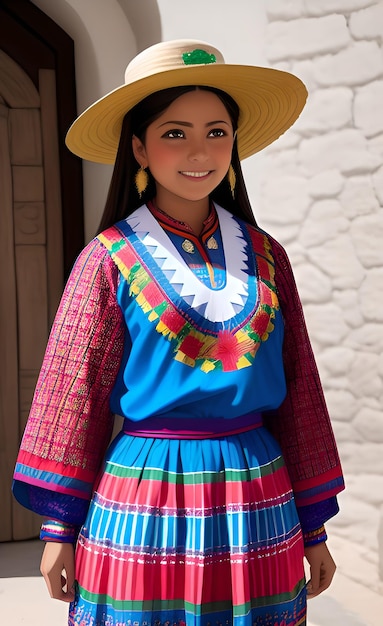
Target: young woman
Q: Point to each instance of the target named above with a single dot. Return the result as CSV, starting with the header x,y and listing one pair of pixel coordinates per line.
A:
x,y
183,317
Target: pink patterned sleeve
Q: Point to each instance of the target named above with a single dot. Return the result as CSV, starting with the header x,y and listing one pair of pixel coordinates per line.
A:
x,y
302,423
70,420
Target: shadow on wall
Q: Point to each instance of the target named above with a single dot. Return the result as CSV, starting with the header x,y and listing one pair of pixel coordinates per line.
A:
x,y
100,67
145,20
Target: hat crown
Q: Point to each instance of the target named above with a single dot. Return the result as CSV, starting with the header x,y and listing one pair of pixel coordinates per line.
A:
x,y
171,55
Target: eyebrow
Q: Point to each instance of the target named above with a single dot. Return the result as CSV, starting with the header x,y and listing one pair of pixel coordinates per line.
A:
x,y
190,125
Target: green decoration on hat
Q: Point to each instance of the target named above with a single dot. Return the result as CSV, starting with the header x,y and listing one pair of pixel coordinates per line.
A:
x,y
198,57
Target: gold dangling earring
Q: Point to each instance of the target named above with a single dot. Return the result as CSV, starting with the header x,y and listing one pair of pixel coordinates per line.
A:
x,y
231,177
141,180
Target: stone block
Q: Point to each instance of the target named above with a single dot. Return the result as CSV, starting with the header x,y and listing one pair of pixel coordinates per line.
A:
x,y
297,255
341,404
367,488
367,23
366,383
288,194
305,70
371,294
306,37
284,233
348,300
371,402
380,366
336,384
358,198
324,222
287,141
284,9
345,151
326,184
367,235
313,7
279,163
368,337
369,424
363,533
326,109
325,323
358,458
346,432
368,106
377,179
336,360
375,145
314,285
356,65
337,258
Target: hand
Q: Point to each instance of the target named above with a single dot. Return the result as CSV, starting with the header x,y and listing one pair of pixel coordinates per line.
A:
x,y
57,567
322,568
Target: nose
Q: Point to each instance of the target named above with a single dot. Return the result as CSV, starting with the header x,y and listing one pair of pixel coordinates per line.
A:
x,y
197,151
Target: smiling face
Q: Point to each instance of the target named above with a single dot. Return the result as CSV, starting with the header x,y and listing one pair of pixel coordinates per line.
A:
x,y
188,151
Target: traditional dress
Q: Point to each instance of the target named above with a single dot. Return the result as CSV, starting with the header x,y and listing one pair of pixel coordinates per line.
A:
x,y
194,516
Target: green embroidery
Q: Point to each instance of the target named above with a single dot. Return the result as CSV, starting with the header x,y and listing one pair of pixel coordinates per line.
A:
x,y
198,57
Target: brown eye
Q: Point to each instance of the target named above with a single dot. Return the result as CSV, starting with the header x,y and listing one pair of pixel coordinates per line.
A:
x,y
174,134
217,132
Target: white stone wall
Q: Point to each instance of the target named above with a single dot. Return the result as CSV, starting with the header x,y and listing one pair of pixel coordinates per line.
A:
x,y
321,194
319,190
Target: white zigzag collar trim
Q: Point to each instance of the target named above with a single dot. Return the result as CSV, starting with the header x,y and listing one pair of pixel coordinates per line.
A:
x,y
215,305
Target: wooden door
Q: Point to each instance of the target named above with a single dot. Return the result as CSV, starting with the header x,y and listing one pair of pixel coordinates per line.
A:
x,y
34,225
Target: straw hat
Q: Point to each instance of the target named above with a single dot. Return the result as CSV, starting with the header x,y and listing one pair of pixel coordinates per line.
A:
x,y
269,100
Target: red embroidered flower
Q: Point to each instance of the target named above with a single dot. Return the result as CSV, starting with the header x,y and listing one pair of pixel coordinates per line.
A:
x,y
227,350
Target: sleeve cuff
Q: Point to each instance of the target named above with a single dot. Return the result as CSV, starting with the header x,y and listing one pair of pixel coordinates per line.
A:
x,y
313,516
313,537
53,530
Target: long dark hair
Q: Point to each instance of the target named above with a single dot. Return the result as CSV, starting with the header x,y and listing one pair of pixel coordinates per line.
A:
x,y
123,197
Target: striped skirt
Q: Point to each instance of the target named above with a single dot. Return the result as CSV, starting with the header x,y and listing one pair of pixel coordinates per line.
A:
x,y
191,532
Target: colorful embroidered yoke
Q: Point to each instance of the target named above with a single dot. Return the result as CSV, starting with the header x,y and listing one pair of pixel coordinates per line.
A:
x,y
208,327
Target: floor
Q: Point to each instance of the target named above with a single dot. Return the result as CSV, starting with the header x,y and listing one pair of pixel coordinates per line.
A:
x,y
24,599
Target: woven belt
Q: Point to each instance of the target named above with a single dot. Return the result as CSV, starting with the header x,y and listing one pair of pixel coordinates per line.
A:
x,y
188,428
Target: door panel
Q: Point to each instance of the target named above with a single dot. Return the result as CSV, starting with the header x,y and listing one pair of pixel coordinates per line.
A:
x,y
41,219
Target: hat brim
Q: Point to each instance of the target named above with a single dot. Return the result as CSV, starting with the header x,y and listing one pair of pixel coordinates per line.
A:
x,y
270,101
